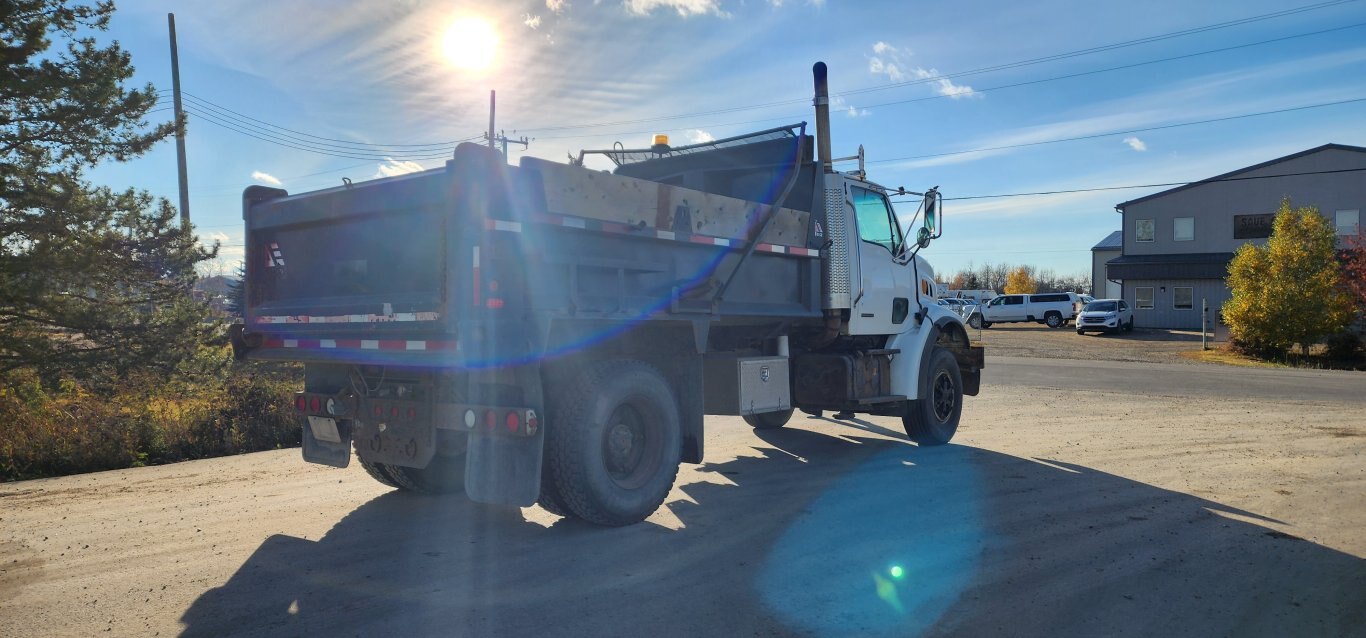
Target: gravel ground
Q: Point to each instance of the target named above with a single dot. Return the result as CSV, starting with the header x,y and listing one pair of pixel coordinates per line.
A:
x,y
1034,340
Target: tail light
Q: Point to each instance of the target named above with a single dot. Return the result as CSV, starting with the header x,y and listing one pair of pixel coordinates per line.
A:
x,y
512,421
315,405
300,402
490,419
494,303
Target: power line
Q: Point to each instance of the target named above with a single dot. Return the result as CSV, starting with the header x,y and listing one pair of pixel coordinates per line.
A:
x,y
234,115
264,137
228,119
789,118
937,77
1113,133
1132,186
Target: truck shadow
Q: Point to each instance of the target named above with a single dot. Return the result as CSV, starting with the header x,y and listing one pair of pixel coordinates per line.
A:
x,y
812,535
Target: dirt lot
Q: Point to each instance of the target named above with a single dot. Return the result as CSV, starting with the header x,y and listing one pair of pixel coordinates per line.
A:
x,y
1070,505
1034,340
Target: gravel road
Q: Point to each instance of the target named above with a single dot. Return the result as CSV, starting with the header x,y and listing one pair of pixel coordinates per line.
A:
x,y
1070,504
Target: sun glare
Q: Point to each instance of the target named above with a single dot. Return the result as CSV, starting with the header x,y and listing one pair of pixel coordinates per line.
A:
x,y
470,43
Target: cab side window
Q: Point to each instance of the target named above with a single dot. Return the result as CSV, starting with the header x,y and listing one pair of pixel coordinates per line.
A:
x,y
876,224
1014,300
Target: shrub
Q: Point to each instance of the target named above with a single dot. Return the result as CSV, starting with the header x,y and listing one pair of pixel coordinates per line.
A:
x,y
1344,346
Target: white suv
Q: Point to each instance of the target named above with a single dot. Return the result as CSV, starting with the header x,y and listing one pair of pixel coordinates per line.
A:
x,y
1105,315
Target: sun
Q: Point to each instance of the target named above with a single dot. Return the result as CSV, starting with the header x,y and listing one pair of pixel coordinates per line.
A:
x,y
470,43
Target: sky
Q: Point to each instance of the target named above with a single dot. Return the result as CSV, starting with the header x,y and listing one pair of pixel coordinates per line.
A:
x,y
359,90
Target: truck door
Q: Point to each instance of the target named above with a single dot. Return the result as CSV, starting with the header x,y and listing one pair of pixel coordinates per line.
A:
x,y
882,294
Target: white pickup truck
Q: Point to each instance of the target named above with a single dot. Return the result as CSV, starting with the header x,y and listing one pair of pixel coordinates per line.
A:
x,y
1053,309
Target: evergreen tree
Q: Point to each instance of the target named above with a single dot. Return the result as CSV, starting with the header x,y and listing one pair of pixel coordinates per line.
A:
x,y
93,281
1288,291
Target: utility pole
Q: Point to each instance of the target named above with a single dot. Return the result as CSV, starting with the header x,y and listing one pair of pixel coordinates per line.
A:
x,y
491,104
180,128
505,141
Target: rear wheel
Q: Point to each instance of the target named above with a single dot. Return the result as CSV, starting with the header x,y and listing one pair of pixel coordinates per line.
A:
x,y
933,419
984,324
443,475
613,443
1129,327
378,471
975,321
769,420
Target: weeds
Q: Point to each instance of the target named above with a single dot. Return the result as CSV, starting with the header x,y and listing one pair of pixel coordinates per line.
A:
x,y
54,427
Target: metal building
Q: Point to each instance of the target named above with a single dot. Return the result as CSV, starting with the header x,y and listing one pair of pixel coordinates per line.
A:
x,y
1176,244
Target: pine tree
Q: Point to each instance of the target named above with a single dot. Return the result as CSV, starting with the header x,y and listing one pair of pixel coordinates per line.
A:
x,y
1289,291
93,281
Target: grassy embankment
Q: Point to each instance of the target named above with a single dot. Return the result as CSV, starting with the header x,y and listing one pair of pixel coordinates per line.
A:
x,y
219,409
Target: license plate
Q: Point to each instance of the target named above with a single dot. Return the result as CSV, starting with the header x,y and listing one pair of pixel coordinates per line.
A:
x,y
324,429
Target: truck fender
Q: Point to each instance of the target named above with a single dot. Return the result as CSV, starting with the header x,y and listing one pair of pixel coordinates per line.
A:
x,y
909,365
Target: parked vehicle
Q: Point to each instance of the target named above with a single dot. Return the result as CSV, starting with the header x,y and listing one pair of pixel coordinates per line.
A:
x,y
976,296
1105,315
1053,309
1082,300
546,333
954,304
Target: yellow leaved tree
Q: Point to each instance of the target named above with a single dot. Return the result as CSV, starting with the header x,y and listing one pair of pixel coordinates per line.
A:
x,y
1289,291
1020,281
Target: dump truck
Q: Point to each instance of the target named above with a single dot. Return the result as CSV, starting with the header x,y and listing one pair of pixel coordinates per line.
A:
x,y
553,333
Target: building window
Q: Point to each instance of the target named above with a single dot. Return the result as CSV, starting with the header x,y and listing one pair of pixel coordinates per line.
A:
x,y
1143,298
1349,222
1143,230
1183,229
1183,297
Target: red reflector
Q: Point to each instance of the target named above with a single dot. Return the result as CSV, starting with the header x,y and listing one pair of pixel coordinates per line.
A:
x,y
301,403
379,411
412,413
490,418
493,285
512,421
494,303
314,405
393,412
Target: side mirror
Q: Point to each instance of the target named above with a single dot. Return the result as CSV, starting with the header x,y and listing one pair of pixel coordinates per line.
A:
x,y
932,212
923,236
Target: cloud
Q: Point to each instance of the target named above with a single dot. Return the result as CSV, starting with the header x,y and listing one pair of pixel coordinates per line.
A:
x,y
887,60
1136,144
556,6
220,237
684,8
530,20
698,136
837,103
392,167
266,178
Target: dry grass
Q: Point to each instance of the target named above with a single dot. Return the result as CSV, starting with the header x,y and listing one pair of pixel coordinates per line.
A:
x,y
70,430
1226,357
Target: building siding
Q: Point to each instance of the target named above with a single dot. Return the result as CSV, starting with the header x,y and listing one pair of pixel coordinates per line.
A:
x,y
1098,259
1164,314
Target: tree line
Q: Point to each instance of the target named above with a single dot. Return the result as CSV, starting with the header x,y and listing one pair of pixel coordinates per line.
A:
x,y
1016,279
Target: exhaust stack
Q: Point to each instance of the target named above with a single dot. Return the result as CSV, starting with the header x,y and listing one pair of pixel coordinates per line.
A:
x,y
822,103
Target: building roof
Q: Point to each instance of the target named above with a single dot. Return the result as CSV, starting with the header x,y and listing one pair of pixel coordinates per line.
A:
x,y
1316,149
1169,266
1113,241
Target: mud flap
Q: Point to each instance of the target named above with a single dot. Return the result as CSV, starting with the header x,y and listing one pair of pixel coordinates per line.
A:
x,y
504,470
335,453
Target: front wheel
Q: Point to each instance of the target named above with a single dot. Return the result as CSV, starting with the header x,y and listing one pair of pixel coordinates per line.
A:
x,y
1053,320
613,443
933,418
769,420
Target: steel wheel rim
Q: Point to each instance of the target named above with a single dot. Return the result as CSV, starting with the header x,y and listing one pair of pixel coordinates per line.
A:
x,y
944,397
631,447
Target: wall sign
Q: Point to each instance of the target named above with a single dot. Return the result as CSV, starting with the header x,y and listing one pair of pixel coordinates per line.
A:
x,y
1252,226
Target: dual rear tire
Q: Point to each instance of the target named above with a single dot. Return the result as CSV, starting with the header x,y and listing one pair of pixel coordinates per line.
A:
x,y
613,444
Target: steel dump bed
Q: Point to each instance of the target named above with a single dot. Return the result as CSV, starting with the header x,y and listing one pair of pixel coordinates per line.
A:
x,y
479,263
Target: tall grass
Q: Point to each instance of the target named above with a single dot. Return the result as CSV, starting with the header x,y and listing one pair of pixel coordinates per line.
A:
x,y
211,408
